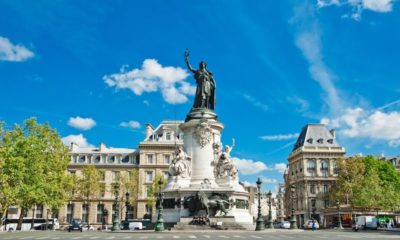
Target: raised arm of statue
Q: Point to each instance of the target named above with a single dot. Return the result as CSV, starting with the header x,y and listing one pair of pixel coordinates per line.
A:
x,y
187,61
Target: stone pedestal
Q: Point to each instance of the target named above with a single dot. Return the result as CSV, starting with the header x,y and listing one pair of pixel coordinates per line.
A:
x,y
202,137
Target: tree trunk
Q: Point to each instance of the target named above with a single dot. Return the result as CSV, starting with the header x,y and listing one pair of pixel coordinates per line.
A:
x,y
4,215
33,219
21,217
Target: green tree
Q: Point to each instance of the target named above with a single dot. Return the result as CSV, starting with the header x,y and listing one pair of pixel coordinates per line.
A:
x,y
155,188
367,182
89,186
36,159
129,183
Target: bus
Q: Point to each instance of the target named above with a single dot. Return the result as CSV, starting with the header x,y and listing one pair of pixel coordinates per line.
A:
x,y
38,224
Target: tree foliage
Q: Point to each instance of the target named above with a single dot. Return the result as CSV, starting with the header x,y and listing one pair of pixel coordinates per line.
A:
x,y
367,182
33,161
155,188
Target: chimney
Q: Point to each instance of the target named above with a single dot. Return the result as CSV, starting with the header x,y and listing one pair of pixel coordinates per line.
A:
x,y
333,132
74,146
149,130
102,146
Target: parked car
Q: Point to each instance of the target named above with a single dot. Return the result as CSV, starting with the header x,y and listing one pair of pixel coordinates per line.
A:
x,y
283,224
309,224
76,224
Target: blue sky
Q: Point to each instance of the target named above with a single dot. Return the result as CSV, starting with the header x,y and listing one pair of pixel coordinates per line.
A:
x,y
104,69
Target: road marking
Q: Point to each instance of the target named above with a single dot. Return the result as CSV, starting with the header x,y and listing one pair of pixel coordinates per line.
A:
x,y
77,237
254,236
237,236
110,238
144,237
94,237
128,237
176,236
207,236
222,236
42,238
192,236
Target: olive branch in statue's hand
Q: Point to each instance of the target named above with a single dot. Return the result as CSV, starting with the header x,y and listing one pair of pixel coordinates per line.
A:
x,y
187,54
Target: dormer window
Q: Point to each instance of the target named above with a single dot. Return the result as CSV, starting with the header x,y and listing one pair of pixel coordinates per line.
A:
x,y
330,141
97,159
310,140
125,159
82,159
320,140
111,159
168,136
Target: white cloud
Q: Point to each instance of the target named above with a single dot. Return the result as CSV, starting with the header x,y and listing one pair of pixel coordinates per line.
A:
x,y
249,167
79,140
280,137
375,125
302,104
268,180
81,123
255,102
13,52
358,6
247,183
153,77
280,167
308,40
130,124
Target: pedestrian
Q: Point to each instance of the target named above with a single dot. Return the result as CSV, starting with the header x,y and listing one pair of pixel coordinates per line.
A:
x,y
313,226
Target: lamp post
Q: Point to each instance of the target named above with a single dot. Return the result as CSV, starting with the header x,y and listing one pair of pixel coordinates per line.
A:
x,y
115,226
270,224
126,206
160,221
260,221
293,222
339,217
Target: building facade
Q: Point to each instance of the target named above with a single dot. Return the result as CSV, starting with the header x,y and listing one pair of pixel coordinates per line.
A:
x,y
311,172
152,158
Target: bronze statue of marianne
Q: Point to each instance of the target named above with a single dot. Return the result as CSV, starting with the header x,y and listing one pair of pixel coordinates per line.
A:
x,y
205,92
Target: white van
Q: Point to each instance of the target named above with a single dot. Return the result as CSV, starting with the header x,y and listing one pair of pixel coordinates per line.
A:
x,y
365,222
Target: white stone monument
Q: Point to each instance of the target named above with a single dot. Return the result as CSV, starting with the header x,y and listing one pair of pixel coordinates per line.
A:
x,y
204,180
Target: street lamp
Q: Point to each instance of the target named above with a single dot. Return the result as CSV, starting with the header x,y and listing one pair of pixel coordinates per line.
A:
x,y
115,226
126,206
270,224
260,221
293,223
339,217
160,221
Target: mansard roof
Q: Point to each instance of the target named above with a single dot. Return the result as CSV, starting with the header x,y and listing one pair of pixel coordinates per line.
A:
x,y
316,135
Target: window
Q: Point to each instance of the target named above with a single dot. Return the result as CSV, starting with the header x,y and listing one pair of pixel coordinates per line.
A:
x,y
312,188
325,168
326,188
97,159
167,159
115,176
102,189
39,211
70,212
82,159
326,203
168,136
111,159
311,167
100,209
85,211
149,209
149,176
125,159
335,168
313,203
150,158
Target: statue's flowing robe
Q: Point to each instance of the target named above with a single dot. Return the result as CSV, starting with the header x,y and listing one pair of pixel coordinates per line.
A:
x,y
205,90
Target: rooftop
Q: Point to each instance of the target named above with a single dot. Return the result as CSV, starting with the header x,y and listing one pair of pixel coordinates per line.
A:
x,y
316,135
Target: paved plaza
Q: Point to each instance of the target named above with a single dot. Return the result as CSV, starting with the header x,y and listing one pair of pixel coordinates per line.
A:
x,y
249,235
